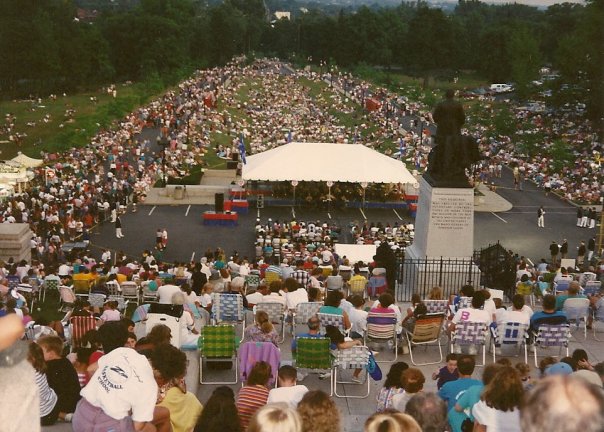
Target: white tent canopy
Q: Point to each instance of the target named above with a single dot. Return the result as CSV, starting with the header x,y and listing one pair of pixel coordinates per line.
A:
x,y
27,161
353,163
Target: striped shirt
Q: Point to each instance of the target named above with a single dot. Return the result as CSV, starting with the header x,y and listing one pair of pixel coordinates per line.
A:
x,y
48,397
249,400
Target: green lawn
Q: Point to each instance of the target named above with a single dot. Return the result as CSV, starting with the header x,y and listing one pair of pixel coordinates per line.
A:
x,y
62,132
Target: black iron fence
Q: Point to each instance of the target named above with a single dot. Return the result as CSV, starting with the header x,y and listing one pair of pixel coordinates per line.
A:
x,y
491,267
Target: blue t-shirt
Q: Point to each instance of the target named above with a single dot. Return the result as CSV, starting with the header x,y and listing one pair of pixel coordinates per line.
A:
x,y
466,400
452,390
538,318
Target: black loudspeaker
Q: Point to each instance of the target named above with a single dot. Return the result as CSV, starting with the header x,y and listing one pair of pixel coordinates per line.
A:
x,y
231,164
235,157
219,202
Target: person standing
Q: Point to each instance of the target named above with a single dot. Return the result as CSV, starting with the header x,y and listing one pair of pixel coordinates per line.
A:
x,y
581,250
591,246
554,249
592,217
584,218
564,249
118,227
579,215
164,238
540,218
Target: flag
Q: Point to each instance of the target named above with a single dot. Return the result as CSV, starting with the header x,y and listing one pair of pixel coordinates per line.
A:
x,y
401,147
242,149
289,137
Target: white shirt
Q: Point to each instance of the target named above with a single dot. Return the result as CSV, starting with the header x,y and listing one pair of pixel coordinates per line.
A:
x,y
165,293
298,296
124,381
471,314
274,298
514,316
496,420
358,320
290,395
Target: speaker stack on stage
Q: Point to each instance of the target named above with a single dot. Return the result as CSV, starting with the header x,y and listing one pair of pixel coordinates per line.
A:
x,y
219,202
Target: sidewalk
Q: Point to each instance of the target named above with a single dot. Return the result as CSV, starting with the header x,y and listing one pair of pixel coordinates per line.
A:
x,y
490,201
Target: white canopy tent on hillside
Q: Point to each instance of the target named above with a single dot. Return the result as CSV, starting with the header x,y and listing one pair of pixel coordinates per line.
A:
x,y
325,162
27,161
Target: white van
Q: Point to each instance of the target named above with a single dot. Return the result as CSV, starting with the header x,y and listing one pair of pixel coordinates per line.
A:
x,y
501,88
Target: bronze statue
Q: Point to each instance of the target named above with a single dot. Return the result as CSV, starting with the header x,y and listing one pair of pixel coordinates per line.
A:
x,y
454,152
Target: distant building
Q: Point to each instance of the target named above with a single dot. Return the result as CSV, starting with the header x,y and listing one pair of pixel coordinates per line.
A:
x,y
86,15
283,15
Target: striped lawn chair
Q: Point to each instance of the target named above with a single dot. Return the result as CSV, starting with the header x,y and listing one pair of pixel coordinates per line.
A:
x,y
96,300
50,285
377,285
381,328
270,276
68,298
228,307
357,287
471,333
218,343
556,336
592,288
130,291
510,334
437,306
276,313
425,332
334,320
313,355
356,357
303,312
252,281
80,325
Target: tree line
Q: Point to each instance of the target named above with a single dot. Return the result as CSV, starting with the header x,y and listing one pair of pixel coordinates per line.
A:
x,y
43,48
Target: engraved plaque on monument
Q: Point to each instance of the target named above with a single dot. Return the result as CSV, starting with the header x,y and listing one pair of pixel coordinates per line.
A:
x,y
444,226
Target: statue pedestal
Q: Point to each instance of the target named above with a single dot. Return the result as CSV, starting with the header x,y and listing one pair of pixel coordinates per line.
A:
x,y
442,249
444,224
15,242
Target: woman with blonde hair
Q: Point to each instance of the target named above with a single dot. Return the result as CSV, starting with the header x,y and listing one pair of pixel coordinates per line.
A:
x,y
391,421
319,413
262,330
436,293
275,417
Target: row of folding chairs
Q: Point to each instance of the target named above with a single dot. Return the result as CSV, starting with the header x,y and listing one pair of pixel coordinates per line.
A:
x,y
219,343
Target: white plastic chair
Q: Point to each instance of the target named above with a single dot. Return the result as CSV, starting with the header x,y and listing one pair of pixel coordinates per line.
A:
x,y
577,310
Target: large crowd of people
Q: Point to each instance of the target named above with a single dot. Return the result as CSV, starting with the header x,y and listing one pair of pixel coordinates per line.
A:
x,y
110,379
111,375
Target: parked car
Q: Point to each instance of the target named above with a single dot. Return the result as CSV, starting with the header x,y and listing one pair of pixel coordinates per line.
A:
x,y
501,88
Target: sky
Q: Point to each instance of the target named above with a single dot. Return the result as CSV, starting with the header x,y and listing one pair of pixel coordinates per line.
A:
x,y
540,3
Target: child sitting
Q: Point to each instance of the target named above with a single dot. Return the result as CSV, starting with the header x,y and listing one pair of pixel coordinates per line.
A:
x,y
448,372
62,376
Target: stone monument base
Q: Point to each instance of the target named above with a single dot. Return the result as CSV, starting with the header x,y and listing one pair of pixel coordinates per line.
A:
x,y
444,224
443,245
15,242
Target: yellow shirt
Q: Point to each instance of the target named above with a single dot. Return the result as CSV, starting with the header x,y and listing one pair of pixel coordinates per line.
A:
x,y
184,409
